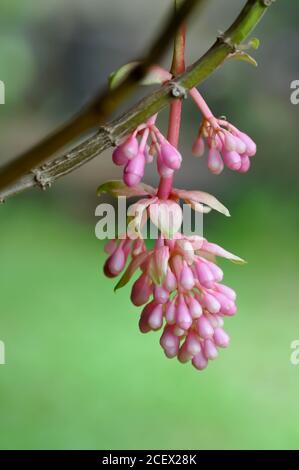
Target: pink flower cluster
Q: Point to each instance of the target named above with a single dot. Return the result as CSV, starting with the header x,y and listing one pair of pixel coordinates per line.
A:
x,y
180,286
134,154
227,146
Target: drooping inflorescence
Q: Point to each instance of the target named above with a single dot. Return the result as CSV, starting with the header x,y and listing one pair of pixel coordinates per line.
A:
x,y
179,286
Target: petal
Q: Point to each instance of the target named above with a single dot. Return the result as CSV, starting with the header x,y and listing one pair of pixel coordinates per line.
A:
x,y
167,216
217,250
136,212
203,198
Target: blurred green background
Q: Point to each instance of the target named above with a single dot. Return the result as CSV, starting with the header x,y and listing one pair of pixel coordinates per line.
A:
x,y
78,373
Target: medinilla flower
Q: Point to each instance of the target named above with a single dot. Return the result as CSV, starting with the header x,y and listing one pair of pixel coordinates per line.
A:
x,y
226,144
179,283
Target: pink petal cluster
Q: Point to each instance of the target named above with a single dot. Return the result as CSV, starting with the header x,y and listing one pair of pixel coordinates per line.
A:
x,y
140,148
227,146
180,286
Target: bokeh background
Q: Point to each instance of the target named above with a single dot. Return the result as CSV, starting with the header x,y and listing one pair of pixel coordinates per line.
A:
x,y
78,373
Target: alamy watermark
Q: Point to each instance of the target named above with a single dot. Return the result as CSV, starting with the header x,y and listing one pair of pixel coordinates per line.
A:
x,y
148,220
2,92
295,93
2,353
294,358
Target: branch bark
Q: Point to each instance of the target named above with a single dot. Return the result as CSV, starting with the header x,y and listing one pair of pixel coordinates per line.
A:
x,y
109,134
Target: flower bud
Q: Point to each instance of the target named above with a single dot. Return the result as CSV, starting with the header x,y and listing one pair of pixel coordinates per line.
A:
x,y
182,315
186,278
199,361
115,263
245,165
209,349
170,156
250,144
232,160
221,338
215,163
198,148
204,328
161,295
130,147
118,156
141,290
134,170
170,342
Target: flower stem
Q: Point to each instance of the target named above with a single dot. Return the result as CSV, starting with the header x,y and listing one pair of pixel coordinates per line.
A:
x,y
174,123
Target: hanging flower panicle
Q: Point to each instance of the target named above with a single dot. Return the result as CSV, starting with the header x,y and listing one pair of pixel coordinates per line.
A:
x,y
227,145
140,148
180,286
179,283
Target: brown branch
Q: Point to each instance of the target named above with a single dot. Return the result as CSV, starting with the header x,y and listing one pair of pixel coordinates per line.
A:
x,y
100,108
108,135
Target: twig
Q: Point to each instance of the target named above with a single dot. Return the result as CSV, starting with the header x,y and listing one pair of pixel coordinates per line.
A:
x,y
108,135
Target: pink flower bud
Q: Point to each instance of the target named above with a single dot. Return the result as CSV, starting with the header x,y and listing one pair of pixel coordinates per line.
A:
x,y
143,322
170,312
118,156
155,318
210,350
182,315
204,328
227,291
195,308
161,295
130,147
198,148
141,290
199,361
184,355
240,145
228,307
163,170
221,338
210,303
215,163
115,263
170,342
204,274
134,170
250,144
186,278
232,160
193,344
216,271
170,281
171,157
229,142
245,165
212,319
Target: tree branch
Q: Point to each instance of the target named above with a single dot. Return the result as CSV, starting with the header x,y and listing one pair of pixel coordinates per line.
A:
x,y
108,135
100,107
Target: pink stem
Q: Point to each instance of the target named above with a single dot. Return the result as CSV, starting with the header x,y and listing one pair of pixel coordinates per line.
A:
x,y
174,124
200,102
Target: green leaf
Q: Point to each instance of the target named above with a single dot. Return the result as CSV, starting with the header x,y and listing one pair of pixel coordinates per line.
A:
x,y
241,55
119,188
133,266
